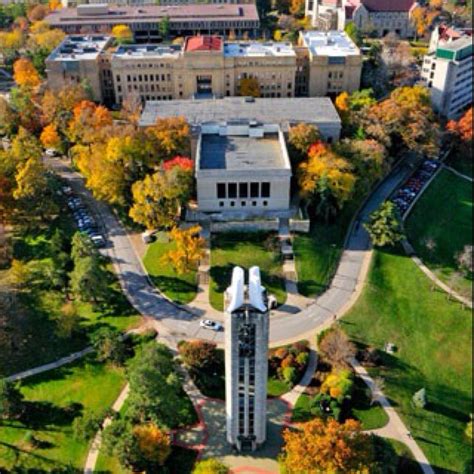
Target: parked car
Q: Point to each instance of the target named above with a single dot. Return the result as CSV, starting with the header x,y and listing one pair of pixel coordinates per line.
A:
x,y
209,324
51,152
98,240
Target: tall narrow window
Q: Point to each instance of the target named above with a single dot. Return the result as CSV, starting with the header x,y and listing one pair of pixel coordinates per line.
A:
x,y
254,190
232,190
221,194
243,190
265,190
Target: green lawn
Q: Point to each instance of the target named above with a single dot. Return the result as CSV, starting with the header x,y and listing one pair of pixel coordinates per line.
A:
x,y
462,163
434,341
245,250
34,338
443,215
179,288
86,384
317,253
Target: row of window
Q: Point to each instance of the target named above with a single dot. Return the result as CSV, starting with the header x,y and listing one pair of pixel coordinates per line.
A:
x,y
243,190
242,203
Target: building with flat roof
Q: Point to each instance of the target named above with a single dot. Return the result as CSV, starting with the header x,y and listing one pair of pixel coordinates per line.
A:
x,y
81,58
242,168
335,62
371,16
207,66
184,20
319,111
447,71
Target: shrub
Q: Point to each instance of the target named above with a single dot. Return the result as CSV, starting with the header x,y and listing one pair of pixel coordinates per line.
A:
x,y
339,385
281,352
86,426
302,359
288,361
210,466
198,354
336,347
469,429
289,375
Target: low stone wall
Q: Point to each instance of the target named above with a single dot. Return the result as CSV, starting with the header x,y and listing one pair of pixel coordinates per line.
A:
x,y
302,226
245,226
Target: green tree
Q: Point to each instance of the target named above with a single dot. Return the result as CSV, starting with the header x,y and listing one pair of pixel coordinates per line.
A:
x,y
419,399
164,27
88,280
82,246
210,466
68,321
86,426
384,226
11,400
109,346
155,389
354,33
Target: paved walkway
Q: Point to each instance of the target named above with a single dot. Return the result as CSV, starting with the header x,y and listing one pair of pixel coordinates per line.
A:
x,y
395,428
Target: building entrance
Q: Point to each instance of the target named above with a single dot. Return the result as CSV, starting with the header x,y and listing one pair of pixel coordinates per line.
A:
x,y
204,84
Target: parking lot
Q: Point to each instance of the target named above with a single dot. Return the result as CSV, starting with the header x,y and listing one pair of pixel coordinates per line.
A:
x,y
408,191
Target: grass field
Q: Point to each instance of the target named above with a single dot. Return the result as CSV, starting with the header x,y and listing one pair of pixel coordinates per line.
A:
x,y
245,250
179,288
54,399
443,215
464,164
317,253
434,341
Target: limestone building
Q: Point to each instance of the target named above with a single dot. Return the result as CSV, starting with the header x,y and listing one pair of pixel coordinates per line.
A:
x,y
242,169
334,62
81,59
372,16
246,360
448,69
207,66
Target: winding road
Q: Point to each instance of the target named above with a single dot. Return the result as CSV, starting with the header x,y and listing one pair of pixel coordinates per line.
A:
x,y
180,323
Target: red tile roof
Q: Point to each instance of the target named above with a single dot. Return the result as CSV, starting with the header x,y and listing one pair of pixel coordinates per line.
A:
x,y
203,43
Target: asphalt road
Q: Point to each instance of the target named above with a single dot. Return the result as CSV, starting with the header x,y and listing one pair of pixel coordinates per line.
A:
x,y
182,324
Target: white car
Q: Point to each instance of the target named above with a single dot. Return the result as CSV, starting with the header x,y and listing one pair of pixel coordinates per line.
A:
x,y
212,325
51,152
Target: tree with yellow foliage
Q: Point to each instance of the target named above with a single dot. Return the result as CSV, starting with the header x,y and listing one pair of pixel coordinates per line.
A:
x,y
329,447
154,443
54,5
326,179
30,180
50,137
422,18
188,249
277,35
42,36
25,74
249,87
11,42
170,137
297,7
300,138
157,199
122,34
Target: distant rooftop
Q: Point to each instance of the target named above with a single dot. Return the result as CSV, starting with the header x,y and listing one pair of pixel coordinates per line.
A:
x,y
268,111
331,43
240,152
255,49
105,14
147,51
82,47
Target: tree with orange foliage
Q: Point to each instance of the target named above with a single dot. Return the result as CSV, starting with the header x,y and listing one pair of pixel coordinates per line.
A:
x,y
462,128
54,5
249,87
188,249
37,13
25,74
154,443
170,136
422,18
297,7
300,138
50,137
328,447
88,122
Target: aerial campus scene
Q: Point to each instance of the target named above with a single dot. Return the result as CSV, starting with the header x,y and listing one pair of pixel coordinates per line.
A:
x,y
236,236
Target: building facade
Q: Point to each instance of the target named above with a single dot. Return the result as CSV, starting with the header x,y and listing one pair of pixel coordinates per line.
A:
x,y
334,62
80,59
378,17
242,170
447,71
226,19
246,360
207,66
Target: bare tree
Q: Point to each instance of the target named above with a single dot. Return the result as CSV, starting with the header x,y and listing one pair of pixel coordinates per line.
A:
x,y
464,259
336,348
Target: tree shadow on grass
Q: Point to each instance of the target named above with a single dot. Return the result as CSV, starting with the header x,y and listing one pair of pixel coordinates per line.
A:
x,y
39,414
174,286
